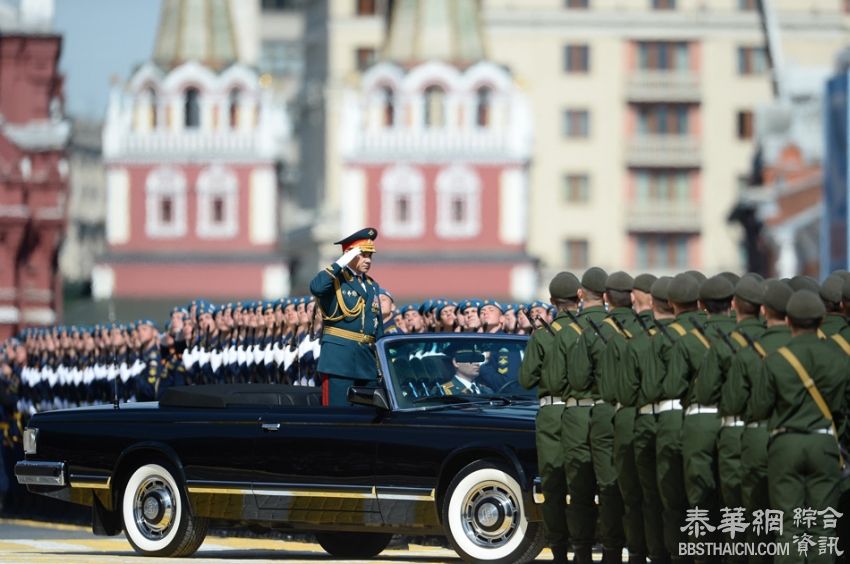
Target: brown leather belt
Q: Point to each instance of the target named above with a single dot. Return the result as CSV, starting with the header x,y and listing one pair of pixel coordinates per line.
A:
x,y
350,335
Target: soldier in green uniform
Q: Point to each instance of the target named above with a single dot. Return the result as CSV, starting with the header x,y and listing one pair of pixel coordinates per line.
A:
x,y
575,429
712,384
831,294
683,294
351,318
736,397
804,394
536,370
701,423
638,388
589,372
627,328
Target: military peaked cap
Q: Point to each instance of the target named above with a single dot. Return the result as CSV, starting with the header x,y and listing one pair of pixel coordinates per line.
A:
x,y
365,239
776,295
805,305
716,288
620,281
644,282
564,286
750,290
594,279
684,289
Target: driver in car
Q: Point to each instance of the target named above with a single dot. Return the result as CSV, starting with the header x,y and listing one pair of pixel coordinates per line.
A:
x,y
467,364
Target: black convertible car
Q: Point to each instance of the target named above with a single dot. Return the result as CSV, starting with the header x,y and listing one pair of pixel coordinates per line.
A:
x,y
422,454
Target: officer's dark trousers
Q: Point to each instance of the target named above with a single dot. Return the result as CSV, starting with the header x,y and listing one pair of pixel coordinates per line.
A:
x,y
550,462
671,481
803,472
628,480
581,482
644,448
610,501
335,390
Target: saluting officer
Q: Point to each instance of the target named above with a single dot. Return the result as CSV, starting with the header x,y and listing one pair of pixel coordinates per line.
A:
x,y
537,370
351,316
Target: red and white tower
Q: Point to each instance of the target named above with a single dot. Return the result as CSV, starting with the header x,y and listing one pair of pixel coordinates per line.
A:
x,y
191,144
33,167
436,141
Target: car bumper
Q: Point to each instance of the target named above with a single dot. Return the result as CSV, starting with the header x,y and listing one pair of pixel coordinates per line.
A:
x,y
40,473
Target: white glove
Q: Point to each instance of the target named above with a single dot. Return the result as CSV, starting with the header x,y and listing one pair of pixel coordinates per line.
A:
x,y
348,256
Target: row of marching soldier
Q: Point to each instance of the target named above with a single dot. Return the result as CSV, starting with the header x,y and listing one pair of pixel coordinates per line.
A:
x,y
683,409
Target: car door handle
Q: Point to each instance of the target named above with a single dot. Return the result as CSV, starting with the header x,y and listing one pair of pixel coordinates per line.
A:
x,y
270,427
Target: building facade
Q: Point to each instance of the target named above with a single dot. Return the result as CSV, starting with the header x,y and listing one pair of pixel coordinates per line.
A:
x,y
643,115
192,146
435,142
835,233
33,167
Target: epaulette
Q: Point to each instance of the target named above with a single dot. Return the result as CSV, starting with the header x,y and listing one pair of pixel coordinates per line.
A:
x,y
556,326
677,327
739,339
575,327
653,331
447,388
842,342
701,338
821,334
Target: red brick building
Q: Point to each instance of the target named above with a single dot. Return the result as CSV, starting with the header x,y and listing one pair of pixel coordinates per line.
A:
x,y
191,146
33,175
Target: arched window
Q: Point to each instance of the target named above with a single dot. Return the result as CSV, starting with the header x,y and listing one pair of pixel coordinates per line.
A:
x,y
233,108
402,202
218,203
482,107
152,108
192,108
435,107
458,203
389,107
165,196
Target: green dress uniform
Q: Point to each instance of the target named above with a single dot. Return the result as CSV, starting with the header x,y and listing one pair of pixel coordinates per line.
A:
x,y
712,387
575,429
588,373
537,370
351,323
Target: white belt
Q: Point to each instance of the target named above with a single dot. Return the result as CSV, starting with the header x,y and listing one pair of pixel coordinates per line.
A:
x,y
648,409
695,409
550,400
824,431
585,402
666,405
732,421
757,424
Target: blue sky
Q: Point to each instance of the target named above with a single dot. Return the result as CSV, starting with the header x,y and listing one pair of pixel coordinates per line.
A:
x,y
101,39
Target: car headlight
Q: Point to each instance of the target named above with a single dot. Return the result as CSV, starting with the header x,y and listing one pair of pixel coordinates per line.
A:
x,y
30,441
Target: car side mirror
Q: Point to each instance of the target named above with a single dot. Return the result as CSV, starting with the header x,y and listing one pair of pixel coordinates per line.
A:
x,y
373,397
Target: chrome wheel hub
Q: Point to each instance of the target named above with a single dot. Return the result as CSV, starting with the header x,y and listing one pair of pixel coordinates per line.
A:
x,y
490,514
153,508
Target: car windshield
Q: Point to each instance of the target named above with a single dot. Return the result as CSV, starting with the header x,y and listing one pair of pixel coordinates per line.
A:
x,y
434,370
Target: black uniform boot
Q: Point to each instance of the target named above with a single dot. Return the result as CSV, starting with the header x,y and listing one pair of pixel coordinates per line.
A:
x,y
612,556
584,555
637,558
559,554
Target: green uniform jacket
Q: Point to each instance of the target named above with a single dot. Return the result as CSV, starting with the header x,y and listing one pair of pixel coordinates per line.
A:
x,y
716,364
351,304
687,355
566,341
745,370
537,365
613,362
628,384
833,323
584,359
784,398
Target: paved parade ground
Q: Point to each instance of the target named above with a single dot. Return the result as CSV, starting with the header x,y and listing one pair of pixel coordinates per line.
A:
x,y
30,541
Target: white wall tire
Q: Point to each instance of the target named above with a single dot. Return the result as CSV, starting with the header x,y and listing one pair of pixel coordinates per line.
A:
x,y
155,514
484,517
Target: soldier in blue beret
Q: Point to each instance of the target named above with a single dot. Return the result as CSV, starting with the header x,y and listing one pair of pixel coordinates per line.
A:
x,y
446,317
491,314
387,313
351,314
413,319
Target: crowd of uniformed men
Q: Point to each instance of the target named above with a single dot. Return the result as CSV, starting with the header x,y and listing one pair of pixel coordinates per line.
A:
x,y
661,396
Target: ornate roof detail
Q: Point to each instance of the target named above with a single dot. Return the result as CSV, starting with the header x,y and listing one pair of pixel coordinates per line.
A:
x,y
196,30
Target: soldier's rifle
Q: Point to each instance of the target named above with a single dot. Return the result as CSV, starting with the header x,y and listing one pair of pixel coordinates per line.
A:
x,y
596,330
545,324
723,336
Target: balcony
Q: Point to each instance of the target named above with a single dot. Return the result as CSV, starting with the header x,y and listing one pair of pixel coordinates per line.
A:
x,y
663,217
401,143
663,86
669,151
